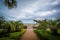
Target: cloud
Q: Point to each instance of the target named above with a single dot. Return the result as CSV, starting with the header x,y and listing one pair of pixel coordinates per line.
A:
x,y
32,9
45,13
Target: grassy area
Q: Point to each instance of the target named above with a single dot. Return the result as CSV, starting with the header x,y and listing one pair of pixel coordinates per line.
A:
x,y
46,35
12,36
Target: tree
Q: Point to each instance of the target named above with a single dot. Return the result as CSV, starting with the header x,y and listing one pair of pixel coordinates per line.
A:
x,y
42,24
18,25
2,21
11,25
10,3
53,25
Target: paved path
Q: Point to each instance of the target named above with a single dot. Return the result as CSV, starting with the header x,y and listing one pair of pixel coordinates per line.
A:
x,y
29,34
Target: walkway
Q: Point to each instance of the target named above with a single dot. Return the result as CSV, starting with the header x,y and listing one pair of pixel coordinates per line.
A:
x,y
29,34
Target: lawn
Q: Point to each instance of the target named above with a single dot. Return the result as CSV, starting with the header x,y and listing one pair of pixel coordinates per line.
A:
x,y
46,35
12,36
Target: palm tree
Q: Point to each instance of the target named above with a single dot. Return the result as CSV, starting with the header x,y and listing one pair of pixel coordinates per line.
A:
x,y
11,26
42,24
53,26
10,3
18,25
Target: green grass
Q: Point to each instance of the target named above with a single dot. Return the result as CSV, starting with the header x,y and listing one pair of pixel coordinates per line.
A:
x,y
46,35
12,36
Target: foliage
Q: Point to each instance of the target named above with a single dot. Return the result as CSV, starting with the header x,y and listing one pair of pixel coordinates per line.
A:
x,y
42,24
10,3
46,35
53,25
12,36
2,21
10,26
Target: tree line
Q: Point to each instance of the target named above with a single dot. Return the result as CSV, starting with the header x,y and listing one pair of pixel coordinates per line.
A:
x,y
53,25
10,26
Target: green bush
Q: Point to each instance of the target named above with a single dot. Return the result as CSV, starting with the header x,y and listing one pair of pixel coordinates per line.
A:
x,y
3,30
12,36
40,35
46,35
25,27
0,30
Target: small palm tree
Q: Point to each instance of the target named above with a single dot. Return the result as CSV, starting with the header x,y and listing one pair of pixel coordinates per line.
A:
x,y
11,26
18,25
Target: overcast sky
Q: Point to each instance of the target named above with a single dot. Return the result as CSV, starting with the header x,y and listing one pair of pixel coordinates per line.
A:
x,y
28,10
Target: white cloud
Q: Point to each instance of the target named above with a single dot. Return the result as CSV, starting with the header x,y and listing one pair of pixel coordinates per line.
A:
x,y
55,3
54,11
40,18
21,16
28,10
31,8
44,13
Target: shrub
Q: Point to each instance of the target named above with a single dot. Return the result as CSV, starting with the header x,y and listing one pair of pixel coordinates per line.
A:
x,y
46,35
